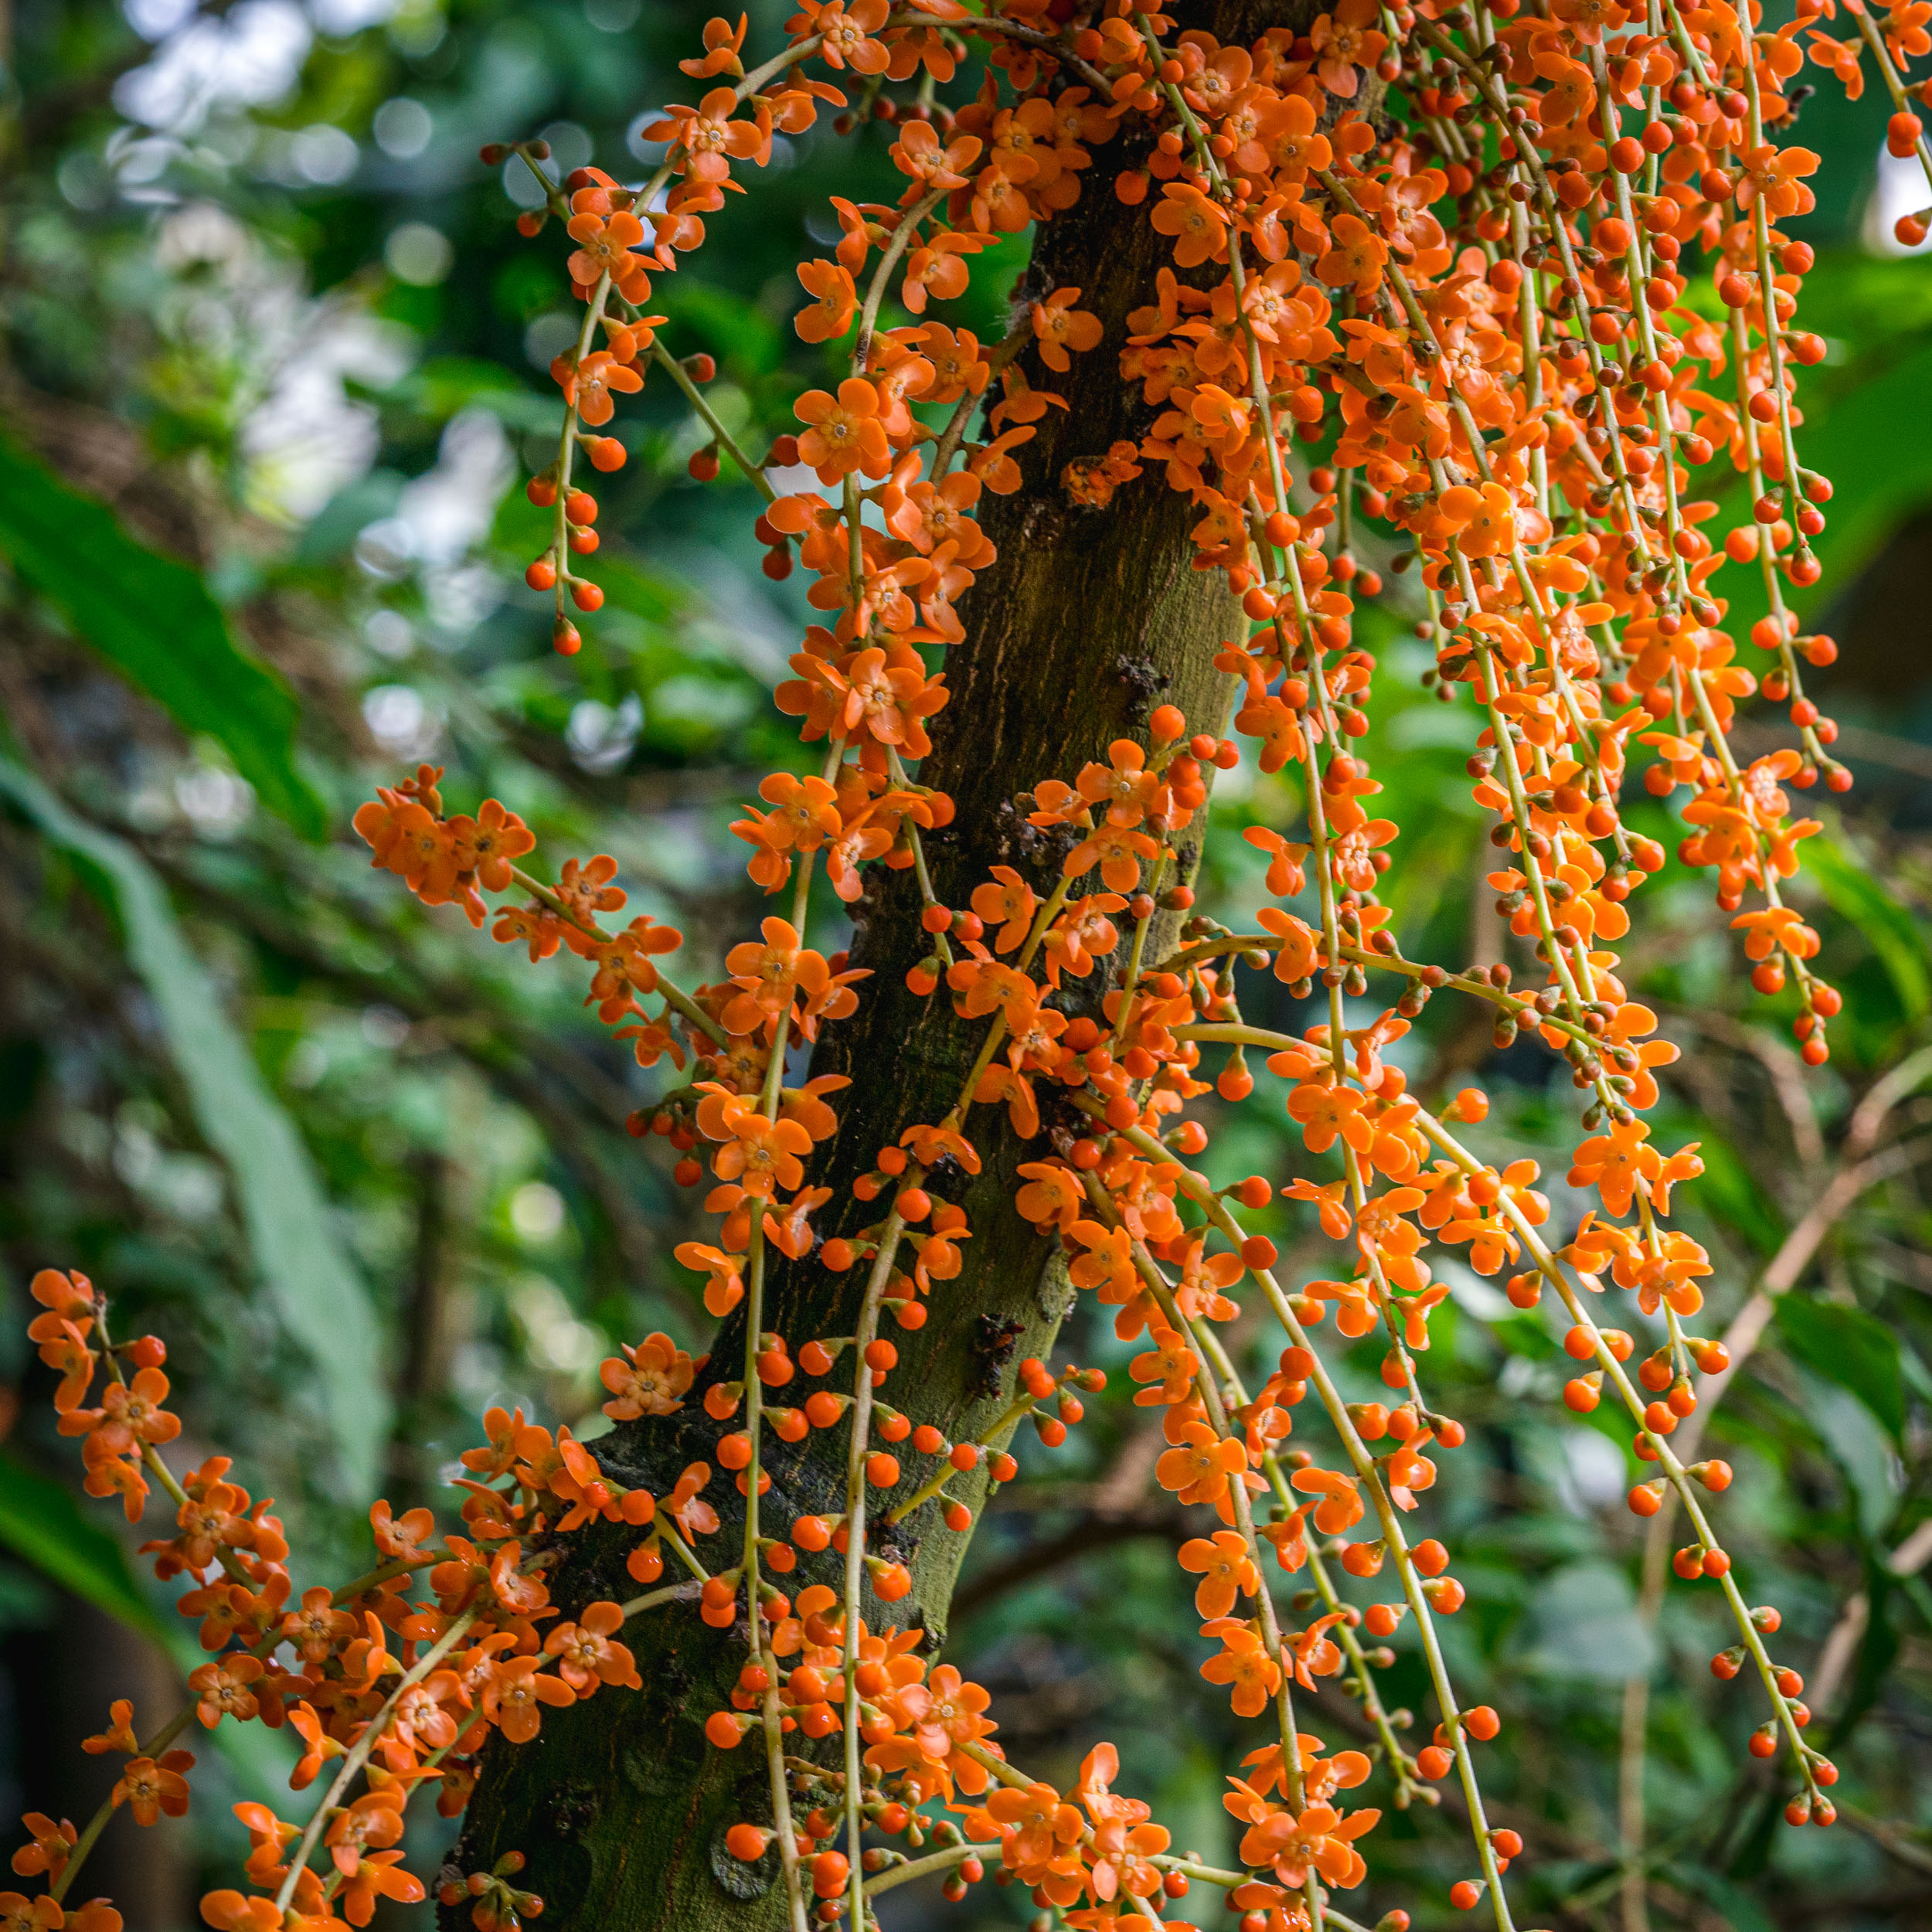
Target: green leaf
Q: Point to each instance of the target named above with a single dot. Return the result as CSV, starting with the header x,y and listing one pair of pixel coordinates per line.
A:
x,y
311,1281
1848,1346
41,1522
152,618
1878,1651
740,335
1893,934
1740,1912
1728,1190
440,387
1884,410
1585,1626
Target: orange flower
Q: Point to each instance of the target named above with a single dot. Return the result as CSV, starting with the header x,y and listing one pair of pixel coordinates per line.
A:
x,y
847,32
1483,521
1199,227
650,1379
52,1844
1298,954
918,152
1225,1569
1356,256
1006,898
835,301
1324,1110
937,1717
378,1874
222,1689
1344,41
148,1787
722,44
603,248
1341,1505
1284,141
1058,326
63,1348
806,815
1082,935
316,1747
989,986
844,432
68,1298
1615,1163
1118,851
587,386
770,976
1252,1676
1170,1364
1775,175
724,1288
1123,784
1571,94
1040,1828
227,1911
710,139
515,1695
588,1657
927,514
1330,1202
1320,1840
1197,1468
938,270
761,1155
318,1628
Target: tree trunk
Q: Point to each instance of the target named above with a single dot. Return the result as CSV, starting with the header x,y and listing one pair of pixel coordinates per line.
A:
x,y
1090,619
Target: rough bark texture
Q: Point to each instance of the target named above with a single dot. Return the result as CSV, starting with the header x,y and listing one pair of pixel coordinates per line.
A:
x,y
1090,619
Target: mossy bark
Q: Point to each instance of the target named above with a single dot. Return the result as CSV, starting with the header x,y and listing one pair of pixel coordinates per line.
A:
x,y
1090,618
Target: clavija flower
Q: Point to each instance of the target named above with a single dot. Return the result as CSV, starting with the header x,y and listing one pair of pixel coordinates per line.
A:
x,y
1084,933
771,976
760,1155
843,432
805,814
1119,852
835,301
149,1787
1340,1506
589,386
847,32
586,1655
710,139
1226,1570
651,1378
1198,1467
1346,322
1321,1840
1169,1364
1243,1665
1059,327
1483,521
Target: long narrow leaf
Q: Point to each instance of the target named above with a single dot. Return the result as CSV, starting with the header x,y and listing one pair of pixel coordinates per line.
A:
x,y
315,1288
1869,442
152,618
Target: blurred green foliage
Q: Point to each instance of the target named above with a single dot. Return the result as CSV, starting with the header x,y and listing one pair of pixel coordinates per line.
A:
x,y
261,300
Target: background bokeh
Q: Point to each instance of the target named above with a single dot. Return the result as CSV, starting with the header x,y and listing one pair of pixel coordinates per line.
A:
x,y
258,295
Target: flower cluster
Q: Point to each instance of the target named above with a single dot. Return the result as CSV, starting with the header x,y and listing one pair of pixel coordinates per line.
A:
x,y
1472,321
371,1679
1493,357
